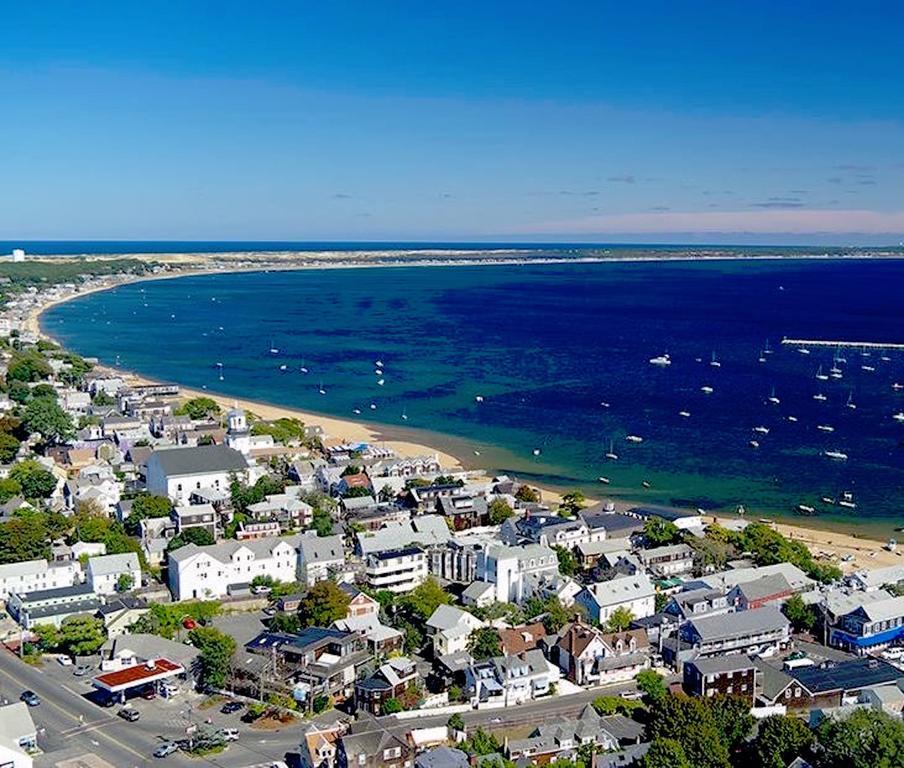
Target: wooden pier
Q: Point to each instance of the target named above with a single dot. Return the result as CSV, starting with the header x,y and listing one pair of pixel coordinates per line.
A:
x,y
845,344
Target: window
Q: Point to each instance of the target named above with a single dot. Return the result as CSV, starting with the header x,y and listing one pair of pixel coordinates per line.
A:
x,y
362,759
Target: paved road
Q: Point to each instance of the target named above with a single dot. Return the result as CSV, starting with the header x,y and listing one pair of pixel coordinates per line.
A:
x,y
70,725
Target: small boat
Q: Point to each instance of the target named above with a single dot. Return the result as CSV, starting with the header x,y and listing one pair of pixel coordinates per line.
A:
x,y
373,406
684,414
603,480
634,438
850,402
303,368
837,375
357,411
284,367
378,363
761,358
381,382
792,419
478,399
273,350
646,484
825,428
477,453
847,501
773,399
837,455
820,397
604,404
706,389
761,430
805,509
804,351
767,350
662,360
536,451
754,443
820,376
404,415
320,389
899,416
891,545
378,371
715,363
827,500
897,387
612,455
868,368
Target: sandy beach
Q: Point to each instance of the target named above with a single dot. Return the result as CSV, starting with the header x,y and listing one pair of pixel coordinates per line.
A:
x,y
835,545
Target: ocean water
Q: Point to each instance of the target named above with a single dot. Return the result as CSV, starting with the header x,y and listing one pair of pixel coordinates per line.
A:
x,y
559,354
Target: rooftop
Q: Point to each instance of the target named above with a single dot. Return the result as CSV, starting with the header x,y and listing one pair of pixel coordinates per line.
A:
x,y
198,460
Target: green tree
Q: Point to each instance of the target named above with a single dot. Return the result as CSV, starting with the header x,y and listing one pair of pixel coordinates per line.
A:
x,y
456,722
289,623
659,532
528,495
198,536
19,392
48,637
666,753
864,739
499,511
9,447
801,615
145,507
81,635
572,503
481,743
392,706
690,721
424,599
732,717
619,620
651,684
615,705
568,563
45,416
283,430
34,481
101,398
778,741
27,366
323,604
322,522
485,643
321,704
199,408
125,582
166,619
551,612
216,649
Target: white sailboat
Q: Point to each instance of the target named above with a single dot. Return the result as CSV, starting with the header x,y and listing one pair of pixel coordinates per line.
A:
x,y
661,360
761,430
706,389
820,397
825,428
634,438
684,414
837,455
273,349
321,390
714,362
850,402
820,376
772,398
612,455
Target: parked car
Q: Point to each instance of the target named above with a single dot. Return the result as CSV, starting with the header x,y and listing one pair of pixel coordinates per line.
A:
x,y
64,661
230,734
271,610
279,764
231,707
147,692
81,670
260,589
166,749
129,714
30,698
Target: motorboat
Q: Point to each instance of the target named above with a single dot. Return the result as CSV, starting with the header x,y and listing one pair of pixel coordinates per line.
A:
x,y
662,360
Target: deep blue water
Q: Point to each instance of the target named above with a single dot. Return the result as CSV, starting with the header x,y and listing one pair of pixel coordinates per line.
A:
x,y
545,345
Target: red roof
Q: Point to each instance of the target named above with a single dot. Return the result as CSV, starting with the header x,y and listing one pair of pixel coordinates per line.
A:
x,y
357,481
139,674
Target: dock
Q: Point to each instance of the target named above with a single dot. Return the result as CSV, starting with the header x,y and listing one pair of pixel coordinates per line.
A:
x,y
845,344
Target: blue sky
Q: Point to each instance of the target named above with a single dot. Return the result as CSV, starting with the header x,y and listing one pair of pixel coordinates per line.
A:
x,y
648,122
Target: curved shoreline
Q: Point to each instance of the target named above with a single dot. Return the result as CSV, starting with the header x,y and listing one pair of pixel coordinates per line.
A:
x,y
867,552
